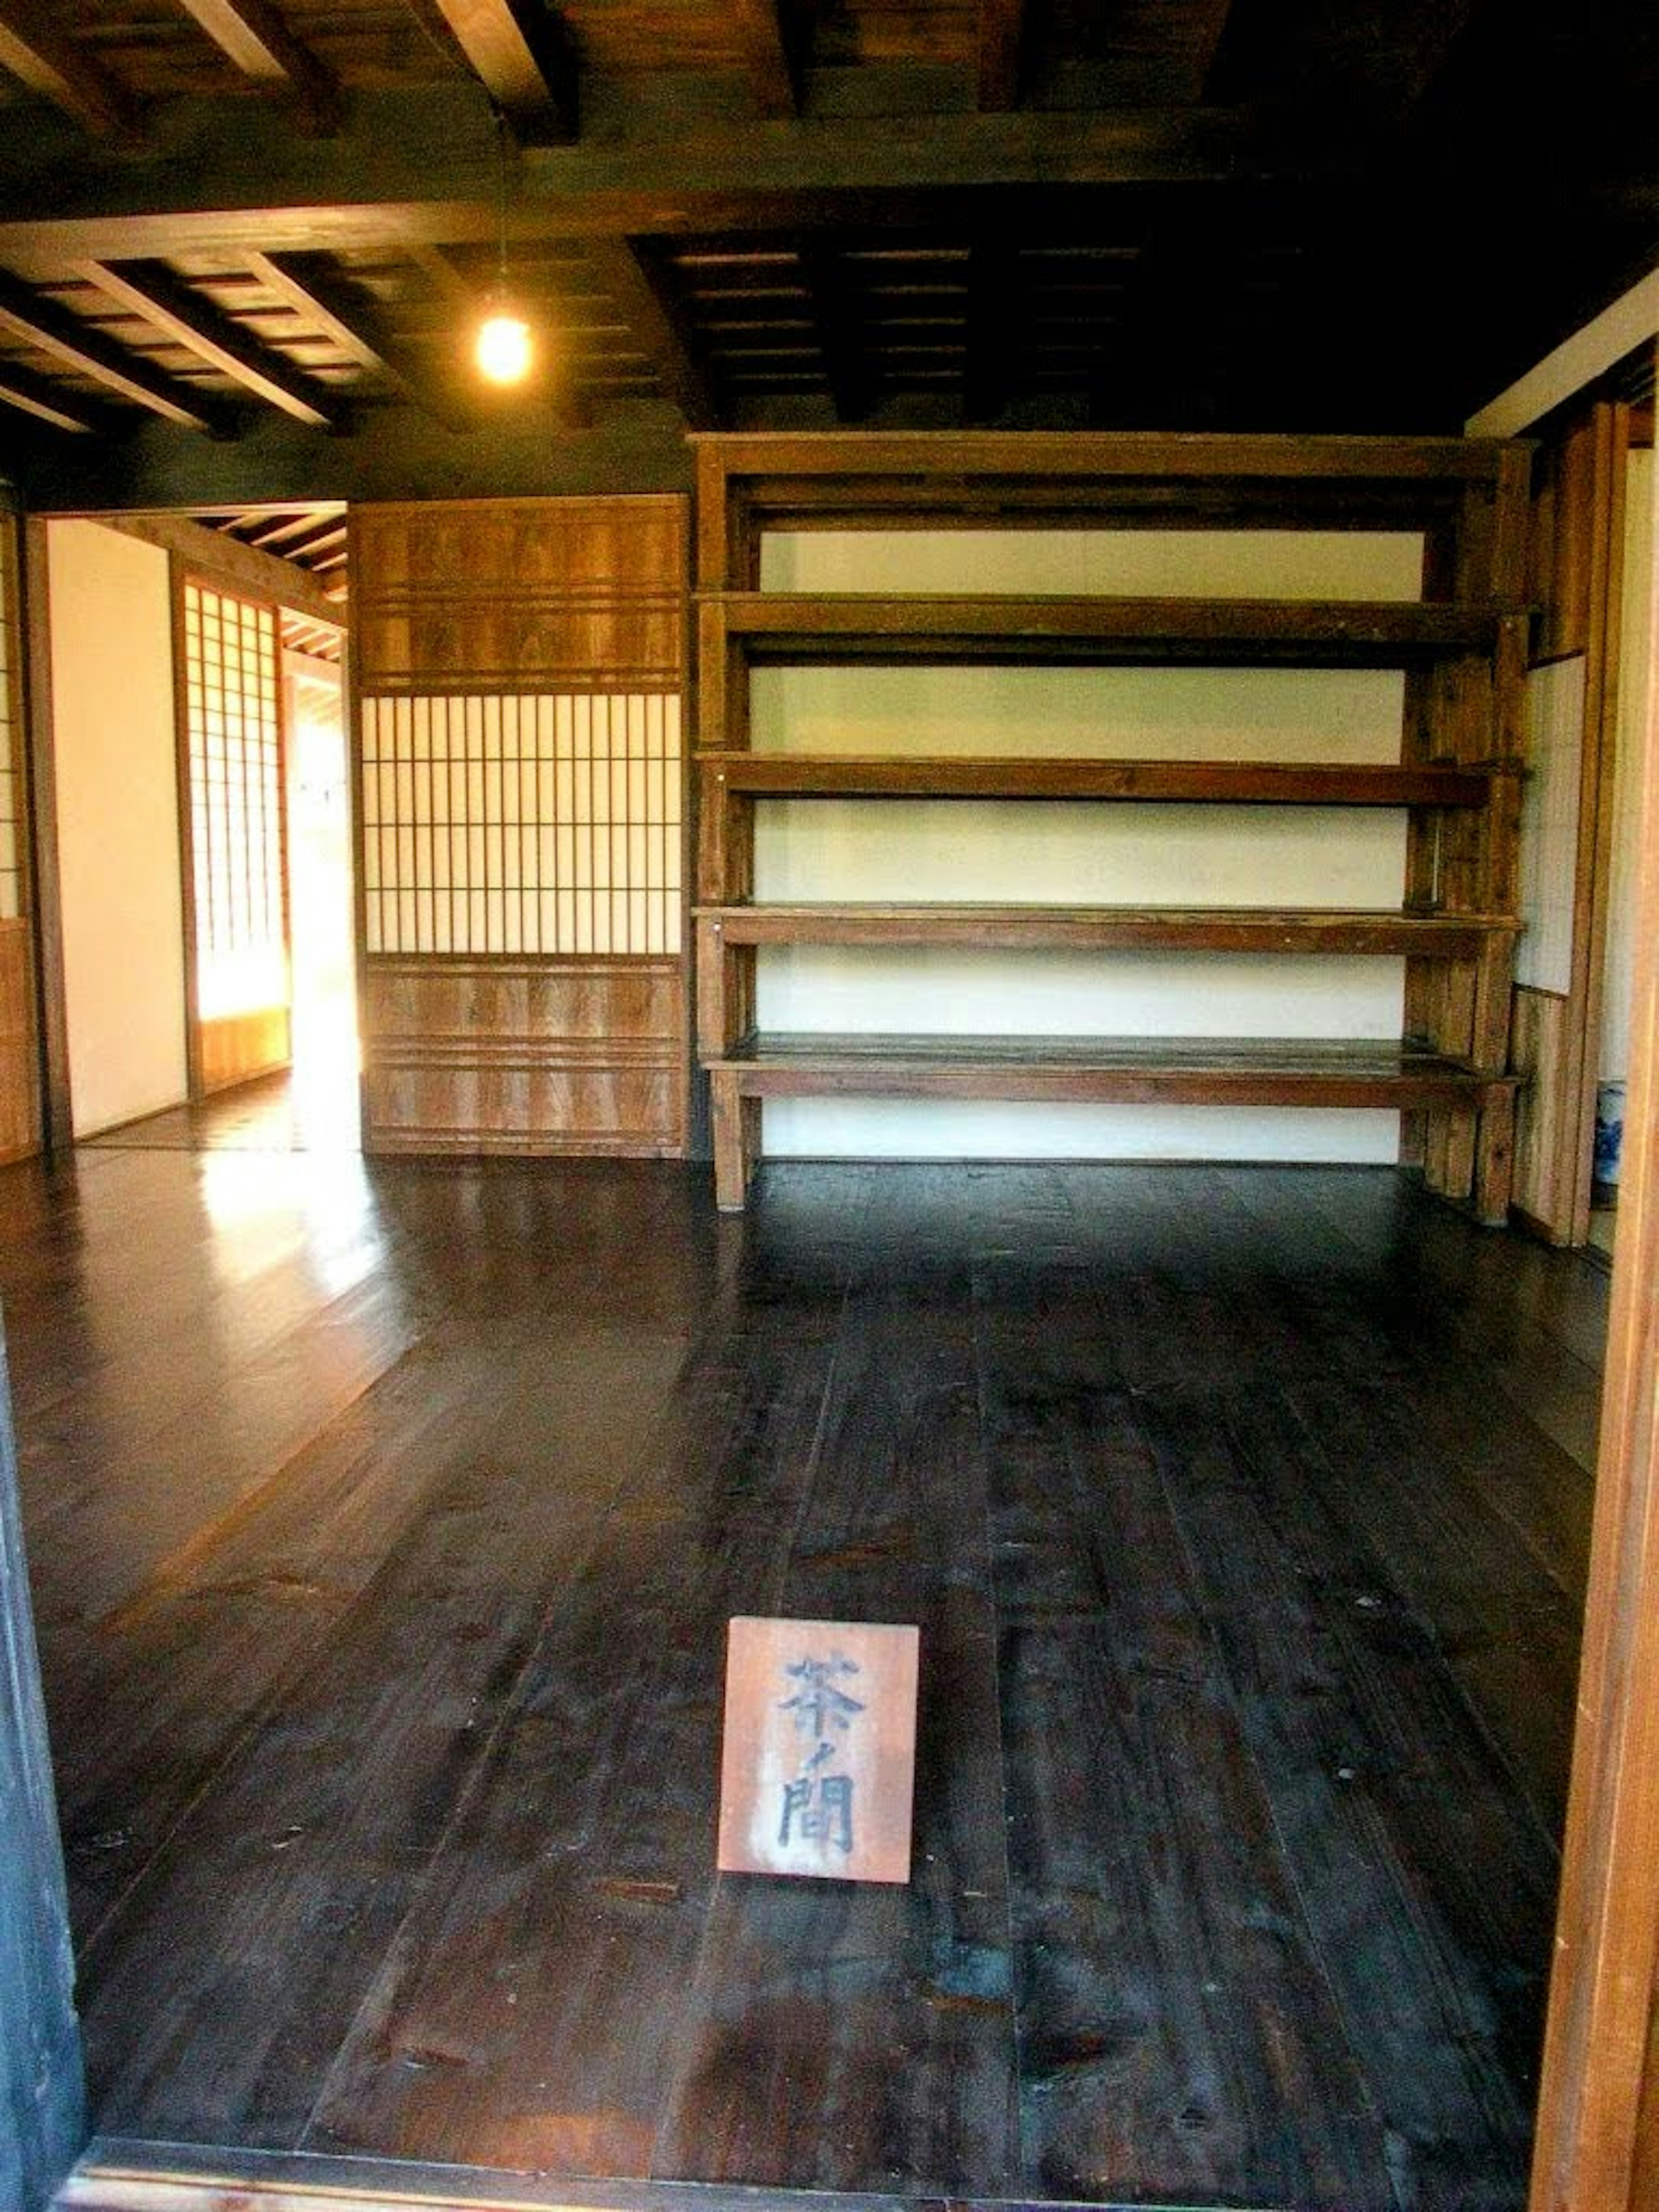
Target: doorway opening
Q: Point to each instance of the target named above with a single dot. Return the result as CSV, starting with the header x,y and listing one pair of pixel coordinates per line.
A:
x,y
325,1052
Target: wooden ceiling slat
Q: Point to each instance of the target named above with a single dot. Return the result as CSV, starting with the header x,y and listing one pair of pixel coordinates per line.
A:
x,y
524,58
53,331
257,39
151,291
40,56
305,284
639,288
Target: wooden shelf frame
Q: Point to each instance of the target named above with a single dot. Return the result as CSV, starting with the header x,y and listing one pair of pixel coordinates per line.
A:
x,y
729,783
726,935
1463,648
778,480
1337,1072
739,631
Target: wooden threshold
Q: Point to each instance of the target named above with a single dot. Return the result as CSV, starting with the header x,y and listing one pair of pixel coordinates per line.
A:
x,y
1248,783
118,2174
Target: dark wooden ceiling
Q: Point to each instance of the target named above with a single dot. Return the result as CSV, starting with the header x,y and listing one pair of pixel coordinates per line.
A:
x,y
243,242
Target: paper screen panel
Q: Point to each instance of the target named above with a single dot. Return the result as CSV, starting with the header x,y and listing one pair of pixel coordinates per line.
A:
x,y
546,823
234,737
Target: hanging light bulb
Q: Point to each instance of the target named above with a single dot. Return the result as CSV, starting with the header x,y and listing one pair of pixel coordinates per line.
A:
x,y
502,349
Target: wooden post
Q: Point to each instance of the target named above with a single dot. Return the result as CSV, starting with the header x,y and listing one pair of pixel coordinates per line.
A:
x,y
42,2117
735,1119
1595,2150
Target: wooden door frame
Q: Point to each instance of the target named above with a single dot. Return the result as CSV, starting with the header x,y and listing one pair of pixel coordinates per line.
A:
x,y
1597,2147
42,2097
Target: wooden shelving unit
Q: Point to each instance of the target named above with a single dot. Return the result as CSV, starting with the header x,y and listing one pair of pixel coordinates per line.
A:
x,y
1462,648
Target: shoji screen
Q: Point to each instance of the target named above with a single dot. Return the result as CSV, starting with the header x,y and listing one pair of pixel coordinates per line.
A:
x,y
519,674
20,1084
236,836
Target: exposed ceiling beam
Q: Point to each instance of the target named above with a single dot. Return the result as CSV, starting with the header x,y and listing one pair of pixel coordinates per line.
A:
x,y
420,169
40,56
350,318
399,454
217,554
636,282
770,33
45,401
150,289
521,52
1001,51
68,340
258,40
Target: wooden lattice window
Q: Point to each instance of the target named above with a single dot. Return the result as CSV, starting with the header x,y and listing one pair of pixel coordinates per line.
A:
x,y
233,738
543,824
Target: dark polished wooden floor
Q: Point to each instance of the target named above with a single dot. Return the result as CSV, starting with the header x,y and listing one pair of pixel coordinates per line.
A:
x,y
385,1523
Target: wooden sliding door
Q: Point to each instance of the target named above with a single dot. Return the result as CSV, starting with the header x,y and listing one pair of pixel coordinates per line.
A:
x,y
235,835
519,671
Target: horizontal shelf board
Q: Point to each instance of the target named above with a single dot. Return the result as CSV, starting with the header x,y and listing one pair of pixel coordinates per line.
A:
x,y
1108,1071
1087,457
1348,930
1283,783
782,626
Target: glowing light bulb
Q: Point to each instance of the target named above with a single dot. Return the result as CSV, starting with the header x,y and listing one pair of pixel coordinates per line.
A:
x,y
502,349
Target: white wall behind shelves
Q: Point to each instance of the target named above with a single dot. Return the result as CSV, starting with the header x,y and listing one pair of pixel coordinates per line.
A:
x,y
1082,853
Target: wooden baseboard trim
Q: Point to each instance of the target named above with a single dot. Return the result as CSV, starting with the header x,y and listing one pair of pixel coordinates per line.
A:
x,y
118,2174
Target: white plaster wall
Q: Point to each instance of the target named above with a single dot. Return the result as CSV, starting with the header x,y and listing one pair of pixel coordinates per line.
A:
x,y
1635,732
118,823
1082,854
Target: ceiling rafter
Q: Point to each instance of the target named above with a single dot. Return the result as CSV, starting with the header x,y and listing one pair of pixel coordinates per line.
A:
x,y
1001,53
217,553
771,35
47,402
258,40
150,289
54,330
41,57
522,53
639,285
349,317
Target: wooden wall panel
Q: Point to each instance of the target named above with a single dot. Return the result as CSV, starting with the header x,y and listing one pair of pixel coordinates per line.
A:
x,y
20,1072
524,596
238,1047
1539,1055
1575,577
530,1057
501,1013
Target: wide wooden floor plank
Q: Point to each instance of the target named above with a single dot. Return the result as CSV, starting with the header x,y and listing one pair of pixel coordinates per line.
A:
x,y
1172,2004
844,2035
551,1942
